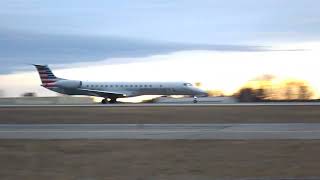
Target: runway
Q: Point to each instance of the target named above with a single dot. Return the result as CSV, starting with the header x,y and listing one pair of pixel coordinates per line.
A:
x,y
161,131
166,104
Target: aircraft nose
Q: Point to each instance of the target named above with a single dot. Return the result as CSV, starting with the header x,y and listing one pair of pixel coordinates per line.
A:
x,y
204,93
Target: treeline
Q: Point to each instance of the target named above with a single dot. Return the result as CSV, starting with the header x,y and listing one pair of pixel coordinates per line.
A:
x,y
269,88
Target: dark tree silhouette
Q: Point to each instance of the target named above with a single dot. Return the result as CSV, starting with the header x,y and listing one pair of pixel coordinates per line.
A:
x,y
250,95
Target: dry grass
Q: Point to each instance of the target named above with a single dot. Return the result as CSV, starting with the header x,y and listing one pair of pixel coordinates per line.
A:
x,y
144,159
196,114
161,159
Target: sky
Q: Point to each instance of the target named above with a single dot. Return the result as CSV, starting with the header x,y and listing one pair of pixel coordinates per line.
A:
x,y
212,41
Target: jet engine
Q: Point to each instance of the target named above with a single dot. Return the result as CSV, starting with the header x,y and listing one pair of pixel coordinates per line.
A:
x,y
68,84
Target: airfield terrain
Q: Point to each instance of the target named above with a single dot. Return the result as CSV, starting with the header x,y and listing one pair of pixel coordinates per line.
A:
x,y
160,114
158,159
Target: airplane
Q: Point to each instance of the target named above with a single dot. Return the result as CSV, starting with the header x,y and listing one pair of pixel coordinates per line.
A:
x,y
110,91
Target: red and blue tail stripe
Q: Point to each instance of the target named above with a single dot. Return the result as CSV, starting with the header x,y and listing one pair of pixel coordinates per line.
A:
x,y
47,77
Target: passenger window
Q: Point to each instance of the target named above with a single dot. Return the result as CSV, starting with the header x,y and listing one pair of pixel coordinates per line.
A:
x,y
160,85
126,85
141,86
150,85
145,85
136,86
131,85
116,85
121,85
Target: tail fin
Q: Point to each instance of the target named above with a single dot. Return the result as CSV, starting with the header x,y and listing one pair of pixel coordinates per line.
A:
x,y
46,74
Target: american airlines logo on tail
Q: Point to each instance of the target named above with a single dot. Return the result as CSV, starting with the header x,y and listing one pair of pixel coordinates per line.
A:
x,y
47,77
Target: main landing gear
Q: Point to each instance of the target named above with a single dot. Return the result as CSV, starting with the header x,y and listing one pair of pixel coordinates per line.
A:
x,y
104,101
195,99
111,100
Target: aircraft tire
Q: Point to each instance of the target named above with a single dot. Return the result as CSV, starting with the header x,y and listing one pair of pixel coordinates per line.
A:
x,y
104,101
113,100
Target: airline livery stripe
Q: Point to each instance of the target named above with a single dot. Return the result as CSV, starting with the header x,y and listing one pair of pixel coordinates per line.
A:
x,y
49,78
48,81
53,80
48,85
44,71
46,75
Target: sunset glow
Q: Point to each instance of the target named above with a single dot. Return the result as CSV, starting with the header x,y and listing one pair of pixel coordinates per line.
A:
x,y
226,71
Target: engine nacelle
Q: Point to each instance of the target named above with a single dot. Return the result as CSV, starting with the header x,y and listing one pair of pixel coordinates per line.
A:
x,y
68,84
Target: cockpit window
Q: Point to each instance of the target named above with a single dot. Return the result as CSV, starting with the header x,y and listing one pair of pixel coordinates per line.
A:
x,y
187,84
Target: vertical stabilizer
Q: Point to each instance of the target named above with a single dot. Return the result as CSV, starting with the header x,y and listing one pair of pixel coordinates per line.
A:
x,y
46,75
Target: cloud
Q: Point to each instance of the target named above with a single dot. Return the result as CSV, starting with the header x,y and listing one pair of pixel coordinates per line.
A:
x,y
19,49
226,71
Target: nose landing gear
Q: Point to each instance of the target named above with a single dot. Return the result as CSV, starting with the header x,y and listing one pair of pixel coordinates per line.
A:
x,y
195,99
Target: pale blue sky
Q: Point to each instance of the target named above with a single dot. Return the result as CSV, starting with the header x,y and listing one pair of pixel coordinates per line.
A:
x,y
53,32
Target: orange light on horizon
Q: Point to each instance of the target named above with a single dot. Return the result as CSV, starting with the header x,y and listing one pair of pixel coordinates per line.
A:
x,y
223,71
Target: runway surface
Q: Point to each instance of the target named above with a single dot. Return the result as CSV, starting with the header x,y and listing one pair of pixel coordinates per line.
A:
x,y
161,131
165,104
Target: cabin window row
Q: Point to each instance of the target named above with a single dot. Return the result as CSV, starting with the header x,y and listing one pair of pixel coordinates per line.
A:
x,y
127,86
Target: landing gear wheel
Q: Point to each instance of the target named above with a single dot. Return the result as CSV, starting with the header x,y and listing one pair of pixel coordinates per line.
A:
x,y
195,99
104,101
113,100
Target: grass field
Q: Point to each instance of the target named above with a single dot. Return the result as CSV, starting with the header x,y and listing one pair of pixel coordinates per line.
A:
x,y
177,114
144,159
159,159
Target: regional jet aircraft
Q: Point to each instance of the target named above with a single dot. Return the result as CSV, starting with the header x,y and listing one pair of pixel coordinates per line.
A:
x,y
110,91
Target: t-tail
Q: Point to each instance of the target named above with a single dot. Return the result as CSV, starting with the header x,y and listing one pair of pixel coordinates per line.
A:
x,y
47,77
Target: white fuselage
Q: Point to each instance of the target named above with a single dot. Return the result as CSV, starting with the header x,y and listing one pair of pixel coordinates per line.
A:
x,y
113,90
130,89
145,88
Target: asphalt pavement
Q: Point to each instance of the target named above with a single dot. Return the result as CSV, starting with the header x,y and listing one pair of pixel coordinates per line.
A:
x,y
161,131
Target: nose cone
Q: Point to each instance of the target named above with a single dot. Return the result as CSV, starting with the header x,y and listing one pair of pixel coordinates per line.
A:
x,y
203,93
200,92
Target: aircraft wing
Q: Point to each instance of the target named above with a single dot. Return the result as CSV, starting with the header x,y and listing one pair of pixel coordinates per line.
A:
x,y
102,93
